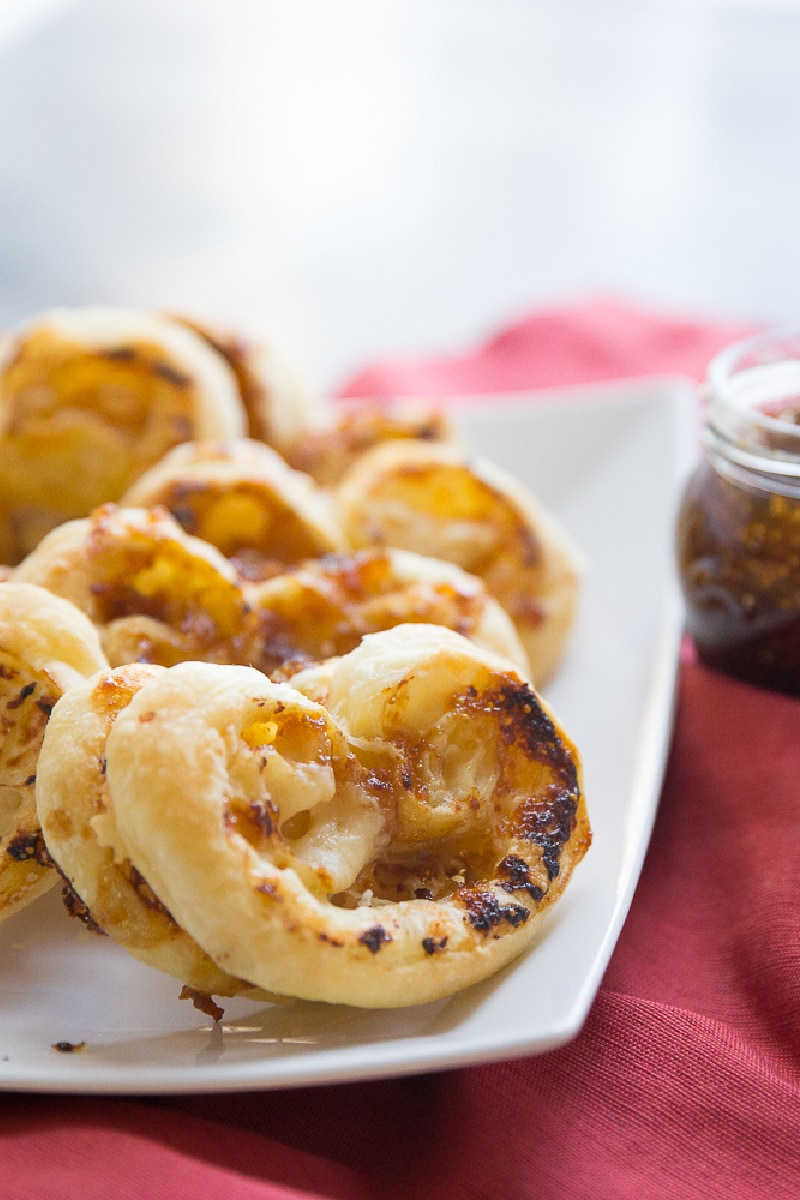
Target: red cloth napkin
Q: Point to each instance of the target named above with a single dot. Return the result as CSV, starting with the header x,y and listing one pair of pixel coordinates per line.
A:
x,y
685,1081
586,343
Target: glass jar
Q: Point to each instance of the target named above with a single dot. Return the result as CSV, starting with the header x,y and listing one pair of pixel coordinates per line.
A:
x,y
738,532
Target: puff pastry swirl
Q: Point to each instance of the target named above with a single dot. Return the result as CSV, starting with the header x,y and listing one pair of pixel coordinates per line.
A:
x,y
394,847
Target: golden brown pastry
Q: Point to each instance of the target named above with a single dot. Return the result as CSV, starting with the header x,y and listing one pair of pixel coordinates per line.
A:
x,y
278,402
159,595
74,804
89,398
323,609
46,647
327,448
156,593
436,500
244,499
388,850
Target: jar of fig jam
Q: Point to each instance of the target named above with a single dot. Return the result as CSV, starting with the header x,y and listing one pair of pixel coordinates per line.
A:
x,y
738,533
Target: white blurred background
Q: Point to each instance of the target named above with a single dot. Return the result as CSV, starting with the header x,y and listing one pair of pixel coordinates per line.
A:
x,y
362,178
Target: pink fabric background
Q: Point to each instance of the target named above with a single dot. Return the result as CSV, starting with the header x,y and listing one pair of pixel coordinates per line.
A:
x,y
583,343
685,1081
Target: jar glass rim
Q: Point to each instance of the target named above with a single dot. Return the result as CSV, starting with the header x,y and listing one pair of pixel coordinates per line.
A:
x,y
733,360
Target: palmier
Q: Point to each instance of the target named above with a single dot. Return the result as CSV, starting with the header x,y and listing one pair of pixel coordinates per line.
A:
x,y
390,849
278,402
46,647
244,499
324,608
327,448
156,593
76,811
89,398
436,500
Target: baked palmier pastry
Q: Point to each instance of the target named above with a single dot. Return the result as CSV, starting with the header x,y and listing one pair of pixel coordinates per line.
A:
x,y
244,499
390,849
279,404
74,806
46,647
436,500
155,593
328,448
324,608
89,398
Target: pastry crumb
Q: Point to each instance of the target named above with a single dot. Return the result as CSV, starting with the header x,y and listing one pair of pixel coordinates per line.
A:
x,y
203,1002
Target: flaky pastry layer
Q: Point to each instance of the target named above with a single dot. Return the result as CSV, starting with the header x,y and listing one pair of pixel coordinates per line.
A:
x,y
76,811
46,647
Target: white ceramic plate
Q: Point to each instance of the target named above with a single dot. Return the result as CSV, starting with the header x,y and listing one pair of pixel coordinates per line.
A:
x,y
609,461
